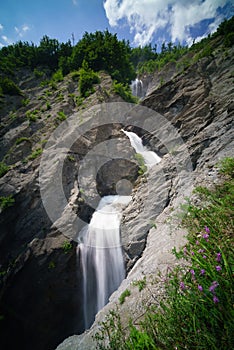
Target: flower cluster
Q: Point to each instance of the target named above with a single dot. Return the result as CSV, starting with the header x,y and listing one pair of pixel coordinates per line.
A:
x,y
202,258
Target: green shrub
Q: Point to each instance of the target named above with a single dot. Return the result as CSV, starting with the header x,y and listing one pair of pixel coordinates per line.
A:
x,y
87,79
9,87
38,73
3,169
61,116
36,153
124,91
25,102
141,162
6,202
32,115
21,139
67,246
57,76
123,296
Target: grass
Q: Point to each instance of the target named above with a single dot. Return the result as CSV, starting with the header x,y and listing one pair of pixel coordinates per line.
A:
x,y
3,169
36,153
124,295
196,311
6,202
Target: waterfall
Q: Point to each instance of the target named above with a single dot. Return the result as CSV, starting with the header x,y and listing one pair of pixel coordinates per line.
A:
x,y
137,88
101,256
150,157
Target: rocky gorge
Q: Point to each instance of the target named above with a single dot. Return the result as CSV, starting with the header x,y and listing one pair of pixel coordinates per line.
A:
x,y
186,117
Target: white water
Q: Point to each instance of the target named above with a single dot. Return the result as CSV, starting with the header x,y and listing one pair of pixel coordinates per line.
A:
x,y
101,255
137,88
150,157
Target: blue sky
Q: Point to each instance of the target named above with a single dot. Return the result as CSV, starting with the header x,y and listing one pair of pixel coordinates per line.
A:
x,y
139,21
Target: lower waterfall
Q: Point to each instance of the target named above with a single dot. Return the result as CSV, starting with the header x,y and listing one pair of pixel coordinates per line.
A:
x,y
101,256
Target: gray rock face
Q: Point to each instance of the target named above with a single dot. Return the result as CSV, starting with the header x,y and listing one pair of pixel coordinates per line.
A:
x,y
40,287
199,104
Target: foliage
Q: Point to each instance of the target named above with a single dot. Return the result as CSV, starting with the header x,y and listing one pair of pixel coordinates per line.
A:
x,y
196,311
3,169
67,246
25,102
61,116
124,91
9,87
123,296
6,202
32,115
103,51
141,162
141,284
87,79
57,76
36,153
21,139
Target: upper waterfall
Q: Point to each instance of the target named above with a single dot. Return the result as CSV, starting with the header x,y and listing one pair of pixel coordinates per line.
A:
x,y
150,157
137,88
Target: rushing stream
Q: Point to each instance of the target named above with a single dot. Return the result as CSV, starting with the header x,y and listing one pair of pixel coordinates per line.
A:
x,y
100,251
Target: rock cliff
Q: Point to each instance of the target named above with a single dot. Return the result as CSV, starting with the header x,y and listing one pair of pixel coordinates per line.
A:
x,y
41,299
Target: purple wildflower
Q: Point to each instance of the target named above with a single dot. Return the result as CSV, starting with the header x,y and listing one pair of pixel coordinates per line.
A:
x,y
213,286
192,272
185,250
204,256
218,257
205,236
200,251
197,242
182,285
202,271
200,288
215,299
218,268
207,229
192,253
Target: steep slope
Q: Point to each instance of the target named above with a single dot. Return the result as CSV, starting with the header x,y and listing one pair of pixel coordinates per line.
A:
x,y
199,104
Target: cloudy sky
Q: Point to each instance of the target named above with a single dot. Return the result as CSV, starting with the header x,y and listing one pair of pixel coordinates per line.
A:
x,y
139,21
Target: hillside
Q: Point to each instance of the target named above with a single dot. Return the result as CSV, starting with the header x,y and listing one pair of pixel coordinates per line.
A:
x,y
186,117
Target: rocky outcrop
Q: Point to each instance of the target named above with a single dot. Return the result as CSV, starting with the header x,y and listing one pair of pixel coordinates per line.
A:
x,y
187,119
199,104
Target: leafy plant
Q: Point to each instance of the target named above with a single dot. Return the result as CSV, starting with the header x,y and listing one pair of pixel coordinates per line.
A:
x,y
123,296
141,284
36,153
6,202
61,116
124,91
25,102
87,79
32,115
67,246
9,87
3,169
21,139
141,162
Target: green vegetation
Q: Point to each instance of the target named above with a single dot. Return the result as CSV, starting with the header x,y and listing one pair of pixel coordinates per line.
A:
x,y
196,308
6,202
67,246
141,162
124,91
21,139
9,87
51,265
61,116
36,153
25,102
124,295
141,284
3,169
87,78
57,76
32,115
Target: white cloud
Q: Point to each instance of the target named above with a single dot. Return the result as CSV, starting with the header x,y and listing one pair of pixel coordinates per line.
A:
x,y
146,17
6,39
1,26
22,30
